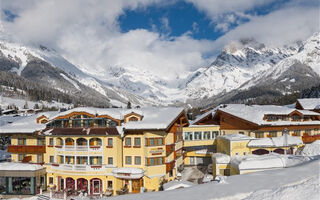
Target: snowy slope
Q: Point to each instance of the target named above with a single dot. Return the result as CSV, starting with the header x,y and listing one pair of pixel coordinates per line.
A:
x,y
15,58
241,65
290,183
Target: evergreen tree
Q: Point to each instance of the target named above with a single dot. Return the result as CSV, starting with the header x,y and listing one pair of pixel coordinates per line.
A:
x,y
25,105
129,105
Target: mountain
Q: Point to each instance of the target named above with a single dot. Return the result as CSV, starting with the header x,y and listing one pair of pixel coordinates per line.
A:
x,y
292,69
46,67
245,70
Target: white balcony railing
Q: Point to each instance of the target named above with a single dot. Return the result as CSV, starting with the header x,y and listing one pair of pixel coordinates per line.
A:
x,y
80,148
72,167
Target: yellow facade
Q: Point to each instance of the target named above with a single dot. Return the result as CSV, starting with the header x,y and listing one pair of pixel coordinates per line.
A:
x,y
199,142
77,160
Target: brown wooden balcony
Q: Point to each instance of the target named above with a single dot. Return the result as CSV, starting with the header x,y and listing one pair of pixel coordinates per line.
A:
x,y
310,138
27,149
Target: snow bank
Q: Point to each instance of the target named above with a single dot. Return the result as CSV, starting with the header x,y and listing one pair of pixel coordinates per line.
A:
x,y
312,149
176,184
299,182
267,161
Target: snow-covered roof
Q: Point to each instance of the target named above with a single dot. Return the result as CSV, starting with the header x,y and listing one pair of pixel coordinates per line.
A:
x,y
221,158
275,141
116,113
266,161
236,137
175,184
128,170
310,103
27,124
6,119
11,166
155,118
256,113
200,117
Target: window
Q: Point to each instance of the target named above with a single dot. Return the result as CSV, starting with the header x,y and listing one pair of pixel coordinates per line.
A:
x,y
244,153
20,157
296,118
308,131
215,134
160,141
241,132
259,134
110,142
128,160
128,142
50,180
51,141
297,132
110,185
137,142
110,160
154,161
51,159
206,135
154,141
187,135
22,141
133,119
137,160
39,158
76,123
197,135
160,161
40,141
273,133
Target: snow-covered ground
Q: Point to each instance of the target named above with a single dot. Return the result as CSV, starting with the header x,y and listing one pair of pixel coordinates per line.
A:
x,y
299,182
5,101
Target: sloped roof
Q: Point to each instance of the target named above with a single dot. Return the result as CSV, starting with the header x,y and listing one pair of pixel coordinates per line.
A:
x,y
155,118
310,103
256,113
116,113
27,124
200,117
236,137
275,142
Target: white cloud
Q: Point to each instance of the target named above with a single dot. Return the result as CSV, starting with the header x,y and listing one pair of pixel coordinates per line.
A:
x,y
223,14
87,32
278,28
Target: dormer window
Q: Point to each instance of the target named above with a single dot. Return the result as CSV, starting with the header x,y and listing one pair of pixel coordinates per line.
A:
x,y
133,119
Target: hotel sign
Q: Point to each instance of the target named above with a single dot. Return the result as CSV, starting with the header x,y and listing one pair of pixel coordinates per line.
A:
x,y
156,151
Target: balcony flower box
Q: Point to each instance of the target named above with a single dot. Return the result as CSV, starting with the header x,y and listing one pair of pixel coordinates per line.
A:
x,y
96,166
58,146
95,147
55,164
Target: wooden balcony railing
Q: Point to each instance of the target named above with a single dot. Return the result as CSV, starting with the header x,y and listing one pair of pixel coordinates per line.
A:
x,y
24,149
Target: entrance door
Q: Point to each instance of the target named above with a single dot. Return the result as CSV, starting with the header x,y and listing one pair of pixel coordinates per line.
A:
x,y
96,186
136,185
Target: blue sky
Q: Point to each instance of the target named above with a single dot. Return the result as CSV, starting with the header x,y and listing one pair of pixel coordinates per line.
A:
x,y
154,35
184,17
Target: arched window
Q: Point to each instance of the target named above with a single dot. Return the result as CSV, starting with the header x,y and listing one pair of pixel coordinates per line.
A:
x,y
69,142
95,142
59,142
260,152
82,142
